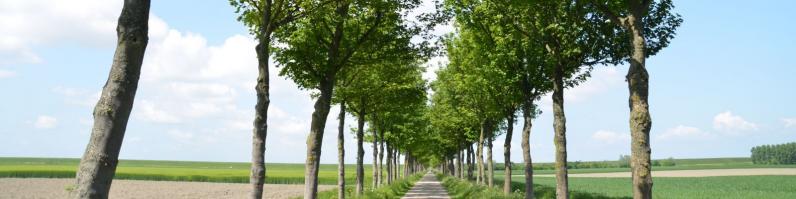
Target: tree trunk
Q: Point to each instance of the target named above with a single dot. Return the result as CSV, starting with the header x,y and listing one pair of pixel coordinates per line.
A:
x,y
470,160
322,105
375,180
388,160
262,89
98,165
507,155
361,151
490,162
381,157
480,153
640,120
527,114
341,152
461,163
315,138
560,140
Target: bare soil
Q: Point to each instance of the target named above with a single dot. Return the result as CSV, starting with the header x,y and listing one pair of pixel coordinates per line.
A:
x,y
58,188
694,173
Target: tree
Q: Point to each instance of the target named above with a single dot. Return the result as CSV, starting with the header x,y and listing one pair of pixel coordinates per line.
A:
x,y
98,165
568,33
264,18
647,26
327,42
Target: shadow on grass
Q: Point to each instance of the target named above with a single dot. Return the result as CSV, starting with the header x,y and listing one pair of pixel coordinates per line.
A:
x,y
465,189
542,191
392,191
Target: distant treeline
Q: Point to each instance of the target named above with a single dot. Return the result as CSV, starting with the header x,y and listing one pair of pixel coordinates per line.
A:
x,y
775,154
623,162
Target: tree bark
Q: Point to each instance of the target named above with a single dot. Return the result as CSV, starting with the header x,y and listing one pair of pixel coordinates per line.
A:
x,y
640,120
381,157
527,114
470,160
375,180
322,105
480,153
490,162
341,152
388,160
560,140
507,155
112,111
361,150
257,175
315,138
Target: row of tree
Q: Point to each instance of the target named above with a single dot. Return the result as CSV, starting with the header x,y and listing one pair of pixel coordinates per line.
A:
x,y
505,55
774,154
357,54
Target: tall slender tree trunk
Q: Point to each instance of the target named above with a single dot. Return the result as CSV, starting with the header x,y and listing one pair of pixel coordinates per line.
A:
x,y
361,150
98,165
315,138
640,120
322,106
490,162
262,89
375,180
341,152
527,114
480,153
470,160
389,164
381,158
507,155
560,140
461,163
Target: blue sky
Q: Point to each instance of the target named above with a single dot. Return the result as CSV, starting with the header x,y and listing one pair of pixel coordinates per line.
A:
x,y
721,87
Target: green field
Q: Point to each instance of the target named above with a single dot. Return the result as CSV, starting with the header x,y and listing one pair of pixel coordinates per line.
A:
x,y
681,164
702,187
695,187
234,172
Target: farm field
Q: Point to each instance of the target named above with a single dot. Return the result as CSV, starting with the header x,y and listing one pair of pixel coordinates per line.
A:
x,y
681,164
59,188
230,172
676,187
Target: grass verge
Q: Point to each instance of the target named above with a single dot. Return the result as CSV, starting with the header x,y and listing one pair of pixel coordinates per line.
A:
x,y
393,191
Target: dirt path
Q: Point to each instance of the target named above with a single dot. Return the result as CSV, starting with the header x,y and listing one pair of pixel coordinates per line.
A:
x,y
428,187
693,173
56,188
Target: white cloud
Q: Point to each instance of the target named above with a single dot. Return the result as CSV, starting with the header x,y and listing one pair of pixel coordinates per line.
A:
x,y
45,122
682,131
29,24
149,112
602,79
77,96
729,122
610,136
6,74
789,122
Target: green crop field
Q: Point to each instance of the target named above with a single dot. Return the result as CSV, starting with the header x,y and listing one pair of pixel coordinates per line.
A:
x,y
234,172
702,187
680,164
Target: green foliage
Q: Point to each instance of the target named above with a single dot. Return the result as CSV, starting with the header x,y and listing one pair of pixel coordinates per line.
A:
x,y
775,154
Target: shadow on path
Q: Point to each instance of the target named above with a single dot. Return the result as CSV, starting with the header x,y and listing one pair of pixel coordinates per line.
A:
x,y
428,187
